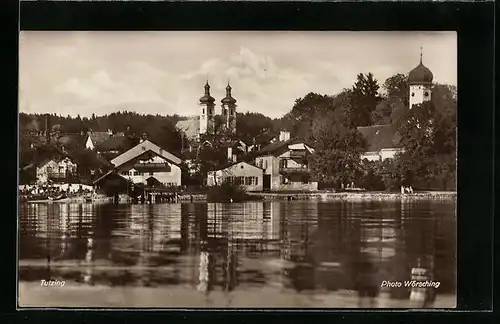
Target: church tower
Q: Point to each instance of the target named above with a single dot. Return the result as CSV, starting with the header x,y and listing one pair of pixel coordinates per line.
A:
x,y
207,103
420,83
229,110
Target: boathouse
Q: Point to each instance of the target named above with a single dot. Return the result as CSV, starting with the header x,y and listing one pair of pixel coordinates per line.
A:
x,y
146,164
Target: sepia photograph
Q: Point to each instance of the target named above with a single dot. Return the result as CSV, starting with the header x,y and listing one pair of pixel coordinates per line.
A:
x,y
237,169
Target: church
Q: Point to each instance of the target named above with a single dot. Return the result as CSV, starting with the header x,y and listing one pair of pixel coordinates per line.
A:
x,y
206,124
383,140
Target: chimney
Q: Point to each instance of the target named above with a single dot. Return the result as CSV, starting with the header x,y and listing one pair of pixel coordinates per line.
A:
x,y
284,135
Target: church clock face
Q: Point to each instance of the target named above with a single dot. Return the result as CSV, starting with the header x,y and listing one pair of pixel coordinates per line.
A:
x,y
426,93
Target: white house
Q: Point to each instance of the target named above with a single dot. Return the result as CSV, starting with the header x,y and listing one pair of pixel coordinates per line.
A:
x,y
285,165
55,169
147,163
241,173
382,142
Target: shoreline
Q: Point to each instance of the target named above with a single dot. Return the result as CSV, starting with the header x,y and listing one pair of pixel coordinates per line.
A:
x,y
322,196
359,196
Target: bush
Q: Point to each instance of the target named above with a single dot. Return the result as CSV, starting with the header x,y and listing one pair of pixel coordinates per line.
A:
x,y
227,192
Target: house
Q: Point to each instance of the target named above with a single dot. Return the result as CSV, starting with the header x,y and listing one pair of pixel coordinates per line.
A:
x,y
95,139
113,146
240,173
382,142
148,164
285,164
55,170
235,149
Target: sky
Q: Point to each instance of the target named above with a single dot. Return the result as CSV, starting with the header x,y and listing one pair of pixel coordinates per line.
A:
x,y
86,72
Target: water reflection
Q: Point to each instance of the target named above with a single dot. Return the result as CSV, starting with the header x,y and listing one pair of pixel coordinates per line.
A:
x,y
305,247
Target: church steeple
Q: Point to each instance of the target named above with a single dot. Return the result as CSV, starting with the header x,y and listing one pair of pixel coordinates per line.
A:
x,y
229,109
207,103
420,83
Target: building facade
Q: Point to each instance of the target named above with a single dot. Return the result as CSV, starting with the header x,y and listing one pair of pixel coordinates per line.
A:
x,y
285,165
242,174
150,165
55,170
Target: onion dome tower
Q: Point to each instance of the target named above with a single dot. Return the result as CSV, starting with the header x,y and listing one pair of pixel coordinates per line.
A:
x,y
207,103
229,110
420,83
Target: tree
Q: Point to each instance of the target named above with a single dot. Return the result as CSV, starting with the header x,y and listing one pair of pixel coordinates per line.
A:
x,y
169,138
300,118
211,158
397,86
388,111
337,150
428,136
252,127
364,98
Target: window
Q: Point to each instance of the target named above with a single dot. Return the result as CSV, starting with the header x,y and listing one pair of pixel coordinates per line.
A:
x,y
426,94
283,163
413,94
124,173
203,111
151,173
251,181
260,163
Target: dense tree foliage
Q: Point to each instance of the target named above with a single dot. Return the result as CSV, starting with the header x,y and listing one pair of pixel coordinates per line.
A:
x,y
254,128
428,136
365,98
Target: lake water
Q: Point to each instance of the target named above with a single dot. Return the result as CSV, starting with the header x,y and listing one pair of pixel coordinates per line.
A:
x,y
211,254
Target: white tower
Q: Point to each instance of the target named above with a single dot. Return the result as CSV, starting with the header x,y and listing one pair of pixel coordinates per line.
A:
x,y
207,103
420,83
229,110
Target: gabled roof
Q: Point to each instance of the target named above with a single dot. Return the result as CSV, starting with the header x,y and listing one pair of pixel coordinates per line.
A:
x,y
380,137
107,174
279,147
190,127
239,162
142,148
115,143
98,137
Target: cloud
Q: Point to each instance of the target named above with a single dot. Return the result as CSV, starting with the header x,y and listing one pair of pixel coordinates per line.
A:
x,y
259,84
87,72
